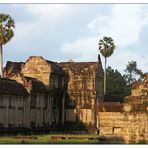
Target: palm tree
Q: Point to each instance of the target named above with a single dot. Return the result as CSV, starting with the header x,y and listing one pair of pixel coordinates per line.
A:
x,y
6,33
106,47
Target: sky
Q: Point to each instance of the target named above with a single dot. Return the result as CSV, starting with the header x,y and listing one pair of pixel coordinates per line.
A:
x,y
59,32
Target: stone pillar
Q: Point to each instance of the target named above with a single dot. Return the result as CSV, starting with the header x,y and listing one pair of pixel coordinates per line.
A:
x,y
7,112
93,108
16,114
27,111
24,111
63,108
36,111
49,108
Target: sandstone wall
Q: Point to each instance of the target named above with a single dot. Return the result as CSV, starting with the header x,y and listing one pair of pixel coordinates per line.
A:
x,y
12,111
130,123
84,86
37,67
40,77
17,111
72,89
70,115
86,116
129,120
40,110
111,124
131,127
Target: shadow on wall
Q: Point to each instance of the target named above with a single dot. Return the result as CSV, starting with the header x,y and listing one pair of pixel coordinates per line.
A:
x,y
108,98
71,108
70,111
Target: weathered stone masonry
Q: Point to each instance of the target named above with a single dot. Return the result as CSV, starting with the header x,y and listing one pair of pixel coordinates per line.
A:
x,y
58,93
12,104
129,120
42,93
82,91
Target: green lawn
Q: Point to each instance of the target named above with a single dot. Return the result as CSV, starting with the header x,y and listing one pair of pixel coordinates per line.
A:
x,y
50,139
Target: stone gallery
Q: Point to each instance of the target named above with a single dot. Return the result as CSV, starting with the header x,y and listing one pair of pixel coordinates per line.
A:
x,y
43,94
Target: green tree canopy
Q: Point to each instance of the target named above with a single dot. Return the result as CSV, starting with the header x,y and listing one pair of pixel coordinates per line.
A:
x,y
133,73
106,46
117,88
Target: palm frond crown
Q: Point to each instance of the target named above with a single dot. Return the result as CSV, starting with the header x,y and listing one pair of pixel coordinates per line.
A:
x,y
106,46
7,25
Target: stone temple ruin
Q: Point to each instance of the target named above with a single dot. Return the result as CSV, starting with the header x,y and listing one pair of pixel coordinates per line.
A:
x,y
45,95
127,120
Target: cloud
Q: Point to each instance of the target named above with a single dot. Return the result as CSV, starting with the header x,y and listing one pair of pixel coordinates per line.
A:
x,y
86,49
51,26
123,24
73,31
32,35
52,13
100,20
120,59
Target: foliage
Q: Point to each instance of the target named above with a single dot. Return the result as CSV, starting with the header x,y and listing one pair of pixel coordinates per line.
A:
x,y
116,86
106,46
6,28
133,73
6,33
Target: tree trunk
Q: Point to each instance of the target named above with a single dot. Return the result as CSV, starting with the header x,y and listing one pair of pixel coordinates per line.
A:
x,y
1,61
105,76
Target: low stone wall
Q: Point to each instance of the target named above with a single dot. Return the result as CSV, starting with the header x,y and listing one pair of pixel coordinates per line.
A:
x,y
132,127
128,120
111,123
129,123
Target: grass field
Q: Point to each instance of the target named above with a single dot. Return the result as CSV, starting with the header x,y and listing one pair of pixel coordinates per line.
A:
x,y
50,139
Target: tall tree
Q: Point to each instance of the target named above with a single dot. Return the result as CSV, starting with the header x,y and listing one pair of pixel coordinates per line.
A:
x,y
106,47
133,73
6,33
117,87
